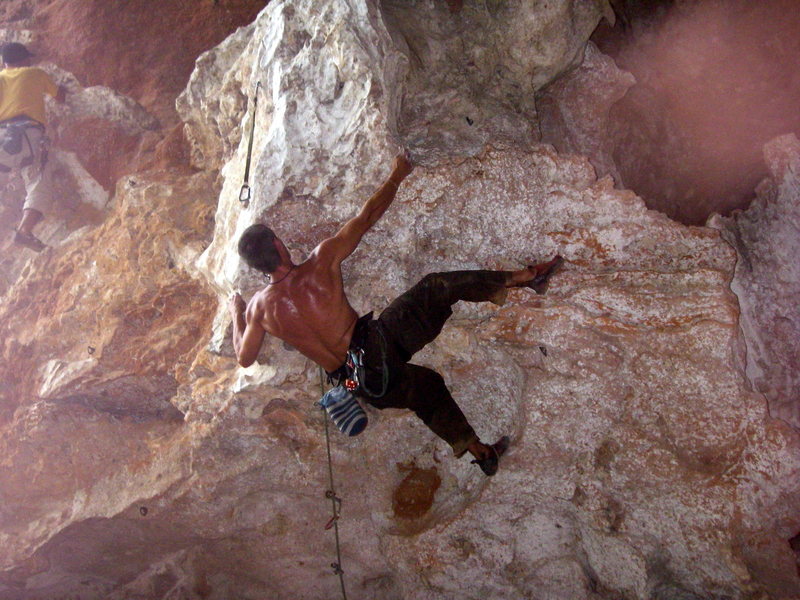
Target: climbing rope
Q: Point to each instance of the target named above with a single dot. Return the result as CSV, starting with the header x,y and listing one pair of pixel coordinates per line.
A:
x,y
244,193
330,493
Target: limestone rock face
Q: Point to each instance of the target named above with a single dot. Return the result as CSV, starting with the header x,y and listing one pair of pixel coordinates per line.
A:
x,y
473,75
140,462
574,110
767,239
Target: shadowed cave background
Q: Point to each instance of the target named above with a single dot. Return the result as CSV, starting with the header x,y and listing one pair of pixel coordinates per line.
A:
x,y
652,395
715,81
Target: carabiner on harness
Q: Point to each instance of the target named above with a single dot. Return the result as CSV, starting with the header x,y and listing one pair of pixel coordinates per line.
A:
x,y
355,360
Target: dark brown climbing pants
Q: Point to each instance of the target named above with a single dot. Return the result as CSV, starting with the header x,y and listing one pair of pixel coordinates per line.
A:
x,y
409,323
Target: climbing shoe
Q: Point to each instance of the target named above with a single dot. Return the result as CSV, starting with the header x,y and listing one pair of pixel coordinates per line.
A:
x,y
29,241
544,271
489,465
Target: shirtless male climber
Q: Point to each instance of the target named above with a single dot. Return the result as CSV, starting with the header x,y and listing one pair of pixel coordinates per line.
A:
x,y
22,128
305,305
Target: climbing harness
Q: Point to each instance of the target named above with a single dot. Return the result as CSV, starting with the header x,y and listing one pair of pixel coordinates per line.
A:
x,y
244,193
358,379
336,502
352,374
16,148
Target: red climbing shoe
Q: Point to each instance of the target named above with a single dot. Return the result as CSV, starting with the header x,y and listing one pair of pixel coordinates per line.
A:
x,y
543,273
489,465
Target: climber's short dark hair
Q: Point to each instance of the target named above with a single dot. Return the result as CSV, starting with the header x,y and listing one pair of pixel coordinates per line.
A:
x,y
14,53
257,248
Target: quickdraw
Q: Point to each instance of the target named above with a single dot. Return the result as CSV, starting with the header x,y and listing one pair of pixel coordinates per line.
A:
x,y
244,193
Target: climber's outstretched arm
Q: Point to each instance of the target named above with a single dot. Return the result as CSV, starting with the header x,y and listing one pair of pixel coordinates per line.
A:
x,y
342,245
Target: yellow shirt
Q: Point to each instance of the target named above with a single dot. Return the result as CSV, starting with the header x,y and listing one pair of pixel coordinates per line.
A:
x,y
22,91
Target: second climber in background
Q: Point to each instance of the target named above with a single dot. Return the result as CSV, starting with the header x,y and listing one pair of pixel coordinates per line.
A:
x,y
23,140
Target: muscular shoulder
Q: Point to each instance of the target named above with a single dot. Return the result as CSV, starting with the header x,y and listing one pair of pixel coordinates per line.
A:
x,y
256,307
324,260
325,253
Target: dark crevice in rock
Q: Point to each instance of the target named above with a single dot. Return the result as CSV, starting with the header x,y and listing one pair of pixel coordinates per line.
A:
x,y
139,398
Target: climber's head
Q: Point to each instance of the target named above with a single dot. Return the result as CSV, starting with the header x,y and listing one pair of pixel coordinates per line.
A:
x,y
261,248
15,54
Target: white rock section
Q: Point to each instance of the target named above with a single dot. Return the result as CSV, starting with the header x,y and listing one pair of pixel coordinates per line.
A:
x,y
767,239
71,173
105,103
321,111
213,104
100,102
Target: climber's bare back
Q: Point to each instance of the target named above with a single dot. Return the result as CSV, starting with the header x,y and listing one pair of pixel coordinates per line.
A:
x,y
308,310
305,305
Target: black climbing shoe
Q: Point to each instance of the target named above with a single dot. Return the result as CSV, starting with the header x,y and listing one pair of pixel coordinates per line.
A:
x,y
539,283
489,465
29,241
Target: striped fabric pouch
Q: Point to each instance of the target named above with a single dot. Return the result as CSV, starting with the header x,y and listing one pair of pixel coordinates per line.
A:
x,y
344,410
